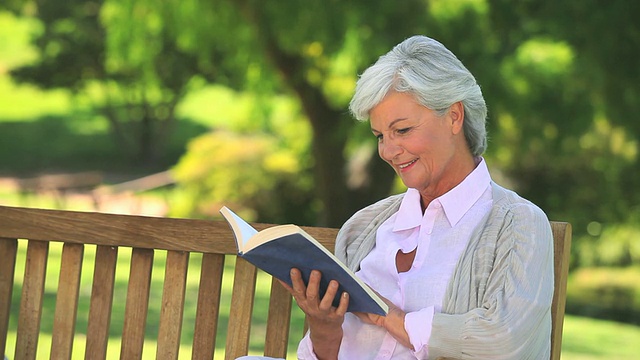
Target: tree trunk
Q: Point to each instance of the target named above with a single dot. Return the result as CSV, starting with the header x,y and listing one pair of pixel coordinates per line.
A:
x,y
331,128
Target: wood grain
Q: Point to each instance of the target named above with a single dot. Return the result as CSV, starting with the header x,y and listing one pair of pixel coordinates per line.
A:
x,y
562,255
279,320
31,301
8,251
135,313
129,230
244,284
171,312
64,323
101,303
208,308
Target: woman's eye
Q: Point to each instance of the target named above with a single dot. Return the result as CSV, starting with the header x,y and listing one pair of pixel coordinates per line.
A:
x,y
403,131
379,137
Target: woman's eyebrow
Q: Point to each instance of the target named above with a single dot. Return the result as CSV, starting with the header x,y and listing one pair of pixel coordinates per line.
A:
x,y
391,124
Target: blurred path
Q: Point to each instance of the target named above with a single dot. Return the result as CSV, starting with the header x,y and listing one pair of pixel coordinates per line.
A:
x,y
117,202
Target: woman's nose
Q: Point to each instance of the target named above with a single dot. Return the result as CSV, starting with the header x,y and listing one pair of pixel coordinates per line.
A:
x,y
388,149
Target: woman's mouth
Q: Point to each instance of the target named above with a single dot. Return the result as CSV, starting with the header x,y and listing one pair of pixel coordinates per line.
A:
x,y
406,165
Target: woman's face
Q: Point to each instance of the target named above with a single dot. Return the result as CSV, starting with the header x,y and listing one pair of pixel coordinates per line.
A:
x,y
427,151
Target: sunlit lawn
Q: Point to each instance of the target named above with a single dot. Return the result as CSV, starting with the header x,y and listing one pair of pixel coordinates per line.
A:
x,y
590,339
584,338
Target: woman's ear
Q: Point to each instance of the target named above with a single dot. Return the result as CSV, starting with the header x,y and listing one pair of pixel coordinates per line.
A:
x,y
456,116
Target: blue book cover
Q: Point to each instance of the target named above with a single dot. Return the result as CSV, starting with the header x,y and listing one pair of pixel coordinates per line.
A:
x,y
277,249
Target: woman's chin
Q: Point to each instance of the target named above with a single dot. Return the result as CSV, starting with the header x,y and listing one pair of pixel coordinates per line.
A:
x,y
410,184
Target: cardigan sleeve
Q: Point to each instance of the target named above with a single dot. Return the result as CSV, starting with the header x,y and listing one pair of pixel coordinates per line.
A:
x,y
501,292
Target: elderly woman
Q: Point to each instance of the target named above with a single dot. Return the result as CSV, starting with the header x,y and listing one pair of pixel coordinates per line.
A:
x,y
465,265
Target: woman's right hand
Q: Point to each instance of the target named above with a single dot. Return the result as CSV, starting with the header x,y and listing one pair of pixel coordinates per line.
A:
x,y
325,320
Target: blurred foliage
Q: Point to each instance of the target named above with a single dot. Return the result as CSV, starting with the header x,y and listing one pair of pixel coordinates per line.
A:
x,y
249,173
560,78
610,245
607,293
118,57
572,137
15,37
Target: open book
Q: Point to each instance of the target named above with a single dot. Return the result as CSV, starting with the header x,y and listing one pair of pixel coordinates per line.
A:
x,y
277,249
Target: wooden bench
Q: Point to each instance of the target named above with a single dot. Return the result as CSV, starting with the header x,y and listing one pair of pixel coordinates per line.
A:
x,y
146,237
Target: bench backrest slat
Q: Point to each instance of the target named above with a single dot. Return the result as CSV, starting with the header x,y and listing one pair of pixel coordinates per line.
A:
x,y
242,298
8,253
175,282
101,302
562,254
31,300
135,316
208,308
64,323
277,337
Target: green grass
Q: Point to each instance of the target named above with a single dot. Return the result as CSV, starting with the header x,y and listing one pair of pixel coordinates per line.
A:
x,y
583,339
591,339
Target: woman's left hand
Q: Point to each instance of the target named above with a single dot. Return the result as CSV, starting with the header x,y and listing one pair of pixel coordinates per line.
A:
x,y
393,322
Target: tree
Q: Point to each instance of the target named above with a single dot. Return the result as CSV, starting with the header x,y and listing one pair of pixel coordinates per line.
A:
x,y
312,51
581,103
559,79
118,55
312,47
536,68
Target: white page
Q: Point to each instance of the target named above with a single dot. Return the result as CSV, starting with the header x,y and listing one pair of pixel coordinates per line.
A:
x,y
246,230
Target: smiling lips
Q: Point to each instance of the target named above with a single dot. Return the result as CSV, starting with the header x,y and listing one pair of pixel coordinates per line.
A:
x,y
406,165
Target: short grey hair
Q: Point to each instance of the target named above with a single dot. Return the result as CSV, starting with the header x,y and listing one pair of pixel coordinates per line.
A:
x,y
426,69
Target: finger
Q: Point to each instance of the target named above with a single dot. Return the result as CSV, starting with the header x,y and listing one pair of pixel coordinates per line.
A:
x,y
286,286
344,304
327,300
298,286
364,317
313,288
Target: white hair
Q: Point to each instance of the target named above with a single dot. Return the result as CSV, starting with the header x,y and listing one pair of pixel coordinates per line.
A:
x,y
426,69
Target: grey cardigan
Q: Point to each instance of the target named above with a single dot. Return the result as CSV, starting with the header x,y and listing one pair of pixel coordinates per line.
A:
x,y
498,302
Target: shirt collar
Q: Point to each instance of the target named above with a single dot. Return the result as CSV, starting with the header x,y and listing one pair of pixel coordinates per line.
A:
x,y
455,203
409,215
